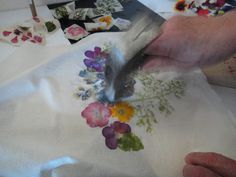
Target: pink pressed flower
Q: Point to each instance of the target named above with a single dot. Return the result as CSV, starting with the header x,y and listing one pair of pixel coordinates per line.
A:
x,y
36,19
75,31
96,114
220,3
6,33
39,39
14,40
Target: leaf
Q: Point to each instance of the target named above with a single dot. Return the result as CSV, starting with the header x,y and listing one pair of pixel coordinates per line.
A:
x,y
130,142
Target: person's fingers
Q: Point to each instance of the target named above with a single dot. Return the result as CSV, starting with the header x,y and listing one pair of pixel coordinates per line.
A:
x,y
216,162
154,63
197,171
159,46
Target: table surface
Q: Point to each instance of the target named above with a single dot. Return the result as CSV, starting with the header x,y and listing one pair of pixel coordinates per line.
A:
x,y
227,95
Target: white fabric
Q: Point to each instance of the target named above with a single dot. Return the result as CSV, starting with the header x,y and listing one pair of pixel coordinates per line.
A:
x,y
43,134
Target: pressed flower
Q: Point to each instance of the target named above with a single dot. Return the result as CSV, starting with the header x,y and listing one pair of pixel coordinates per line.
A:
x,y
113,132
14,40
83,93
220,3
123,111
203,12
119,135
95,60
130,142
181,6
106,19
96,114
6,33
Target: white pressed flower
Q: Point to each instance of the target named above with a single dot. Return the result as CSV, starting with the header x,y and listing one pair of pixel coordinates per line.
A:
x,y
213,1
199,3
194,9
189,1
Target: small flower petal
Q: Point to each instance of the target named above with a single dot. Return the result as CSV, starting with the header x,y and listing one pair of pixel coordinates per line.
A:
x,y
89,54
108,132
111,143
122,128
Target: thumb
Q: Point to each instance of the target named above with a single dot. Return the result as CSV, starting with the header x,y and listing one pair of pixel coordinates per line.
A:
x,y
213,161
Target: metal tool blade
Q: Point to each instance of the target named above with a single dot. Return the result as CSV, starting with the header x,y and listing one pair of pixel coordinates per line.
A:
x,y
118,71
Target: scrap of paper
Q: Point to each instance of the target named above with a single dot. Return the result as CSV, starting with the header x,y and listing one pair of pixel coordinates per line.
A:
x,y
52,25
109,6
63,11
107,19
38,25
75,32
94,12
122,24
100,26
79,14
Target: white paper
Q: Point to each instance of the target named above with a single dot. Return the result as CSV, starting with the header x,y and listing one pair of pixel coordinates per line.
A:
x,y
42,130
122,24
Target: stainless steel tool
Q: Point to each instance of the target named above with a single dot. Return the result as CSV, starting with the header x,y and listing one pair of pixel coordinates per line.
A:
x,y
118,71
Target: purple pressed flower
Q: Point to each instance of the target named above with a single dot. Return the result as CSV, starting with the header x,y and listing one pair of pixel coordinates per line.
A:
x,y
113,132
95,59
111,143
108,132
89,54
97,51
121,127
94,64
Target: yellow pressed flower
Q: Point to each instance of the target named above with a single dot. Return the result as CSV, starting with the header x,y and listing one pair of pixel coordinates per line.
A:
x,y
123,111
106,19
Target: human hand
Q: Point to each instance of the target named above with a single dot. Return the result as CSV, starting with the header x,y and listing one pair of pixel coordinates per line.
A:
x,y
199,164
193,41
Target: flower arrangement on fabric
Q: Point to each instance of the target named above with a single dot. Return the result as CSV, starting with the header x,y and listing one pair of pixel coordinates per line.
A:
x,y
205,7
115,119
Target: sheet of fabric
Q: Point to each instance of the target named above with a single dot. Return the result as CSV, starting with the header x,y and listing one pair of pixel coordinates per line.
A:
x,y
42,132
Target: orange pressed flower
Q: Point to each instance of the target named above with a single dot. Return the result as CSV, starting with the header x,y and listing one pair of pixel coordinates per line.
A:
x,y
106,19
123,111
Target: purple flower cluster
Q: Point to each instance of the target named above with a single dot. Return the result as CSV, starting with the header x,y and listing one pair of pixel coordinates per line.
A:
x,y
113,132
95,60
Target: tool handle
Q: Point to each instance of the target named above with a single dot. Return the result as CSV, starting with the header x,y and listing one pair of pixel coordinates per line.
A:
x,y
32,8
